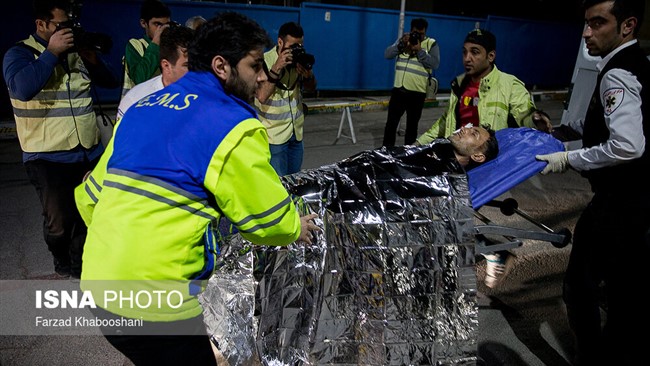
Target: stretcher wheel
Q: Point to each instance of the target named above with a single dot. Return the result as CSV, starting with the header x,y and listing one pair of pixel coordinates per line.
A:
x,y
508,206
567,238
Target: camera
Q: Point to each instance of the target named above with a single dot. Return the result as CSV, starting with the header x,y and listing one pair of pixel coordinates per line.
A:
x,y
84,40
301,57
414,38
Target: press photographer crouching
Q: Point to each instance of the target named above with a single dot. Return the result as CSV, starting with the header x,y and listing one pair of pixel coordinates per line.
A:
x,y
50,90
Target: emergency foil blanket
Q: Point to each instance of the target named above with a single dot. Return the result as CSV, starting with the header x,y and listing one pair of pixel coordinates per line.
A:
x,y
389,280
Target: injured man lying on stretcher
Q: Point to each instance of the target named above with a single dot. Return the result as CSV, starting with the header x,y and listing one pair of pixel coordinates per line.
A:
x,y
473,146
390,279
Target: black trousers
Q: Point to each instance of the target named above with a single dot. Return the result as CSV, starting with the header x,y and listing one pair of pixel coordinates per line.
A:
x,y
63,228
607,269
183,342
402,100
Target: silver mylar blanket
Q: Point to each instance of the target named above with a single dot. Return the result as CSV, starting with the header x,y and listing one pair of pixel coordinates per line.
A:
x,y
390,279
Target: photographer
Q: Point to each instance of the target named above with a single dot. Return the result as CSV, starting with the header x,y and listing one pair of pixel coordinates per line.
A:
x,y
416,55
141,59
49,87
279,99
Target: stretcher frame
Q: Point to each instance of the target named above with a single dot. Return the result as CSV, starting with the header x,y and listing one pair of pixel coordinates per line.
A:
x,y
514,164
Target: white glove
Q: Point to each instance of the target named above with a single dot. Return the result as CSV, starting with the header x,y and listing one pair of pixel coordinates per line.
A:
x,y
557,162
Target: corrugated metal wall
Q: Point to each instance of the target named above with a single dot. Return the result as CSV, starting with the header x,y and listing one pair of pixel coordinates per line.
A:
x,y
348,41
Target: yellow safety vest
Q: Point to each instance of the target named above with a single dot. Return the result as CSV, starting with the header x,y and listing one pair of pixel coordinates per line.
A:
x,y
60,116
410,73
282,113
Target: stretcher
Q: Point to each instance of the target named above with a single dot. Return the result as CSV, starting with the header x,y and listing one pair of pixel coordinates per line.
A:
x,y
514,164
389,280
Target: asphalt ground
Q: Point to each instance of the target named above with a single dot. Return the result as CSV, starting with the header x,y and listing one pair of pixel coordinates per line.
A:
x,y
521,321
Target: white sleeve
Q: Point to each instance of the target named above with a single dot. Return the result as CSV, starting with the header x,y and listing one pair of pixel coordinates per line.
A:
x,y
125,103
620,95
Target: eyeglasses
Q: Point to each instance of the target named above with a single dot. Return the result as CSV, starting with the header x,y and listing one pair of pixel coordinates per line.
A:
x,y
60,24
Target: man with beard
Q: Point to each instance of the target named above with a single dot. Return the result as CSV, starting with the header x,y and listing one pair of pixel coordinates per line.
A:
x,y
485,95
176,166
474,146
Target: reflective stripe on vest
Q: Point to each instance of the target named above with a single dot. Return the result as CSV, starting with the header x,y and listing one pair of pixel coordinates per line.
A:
x,y
282,113
410,73
60,116
140,46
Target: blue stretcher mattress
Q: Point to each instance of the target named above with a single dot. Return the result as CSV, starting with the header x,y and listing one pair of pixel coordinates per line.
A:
x,y
515,163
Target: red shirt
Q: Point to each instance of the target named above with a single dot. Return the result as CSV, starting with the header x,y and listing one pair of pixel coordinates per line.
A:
x,y
469,105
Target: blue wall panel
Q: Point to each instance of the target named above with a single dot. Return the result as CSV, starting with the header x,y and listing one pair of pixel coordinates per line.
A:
x,y
539,53
120,19
349,48
449,32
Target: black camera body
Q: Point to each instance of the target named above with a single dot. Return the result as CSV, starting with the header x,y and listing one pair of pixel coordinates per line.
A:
x,y
301,57
84,40
414,38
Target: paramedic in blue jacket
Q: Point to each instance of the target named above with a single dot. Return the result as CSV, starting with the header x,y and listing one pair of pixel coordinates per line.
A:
x,y
181,159
612,236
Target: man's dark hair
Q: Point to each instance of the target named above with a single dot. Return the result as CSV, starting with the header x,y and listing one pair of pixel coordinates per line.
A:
x,y
292,29
490,148
172,38
43,8
154,9
482,37
623,9
419,23
230,35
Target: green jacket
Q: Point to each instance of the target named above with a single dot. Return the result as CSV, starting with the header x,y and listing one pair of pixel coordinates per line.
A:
x,y
141,62
504,102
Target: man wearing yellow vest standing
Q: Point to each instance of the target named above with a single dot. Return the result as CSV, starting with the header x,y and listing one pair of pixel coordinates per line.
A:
x,y
49,87
141,58
416,55
279,99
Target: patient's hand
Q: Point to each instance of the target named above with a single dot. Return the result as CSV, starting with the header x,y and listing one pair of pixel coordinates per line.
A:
x,y
542,121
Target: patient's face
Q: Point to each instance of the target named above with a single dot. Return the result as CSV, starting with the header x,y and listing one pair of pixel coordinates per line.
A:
x,y
468,140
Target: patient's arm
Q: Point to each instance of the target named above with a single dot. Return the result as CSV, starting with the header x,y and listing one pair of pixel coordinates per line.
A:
x,y
566,133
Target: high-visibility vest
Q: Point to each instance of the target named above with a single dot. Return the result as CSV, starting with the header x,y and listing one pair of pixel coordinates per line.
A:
x,y
282,113
60,116
152,211
410,73
140,46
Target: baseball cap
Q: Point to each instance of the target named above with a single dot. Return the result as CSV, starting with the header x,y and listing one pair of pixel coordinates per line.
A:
x,y
482,37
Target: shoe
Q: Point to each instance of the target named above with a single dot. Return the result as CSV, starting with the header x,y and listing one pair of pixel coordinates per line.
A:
x,y
496,267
